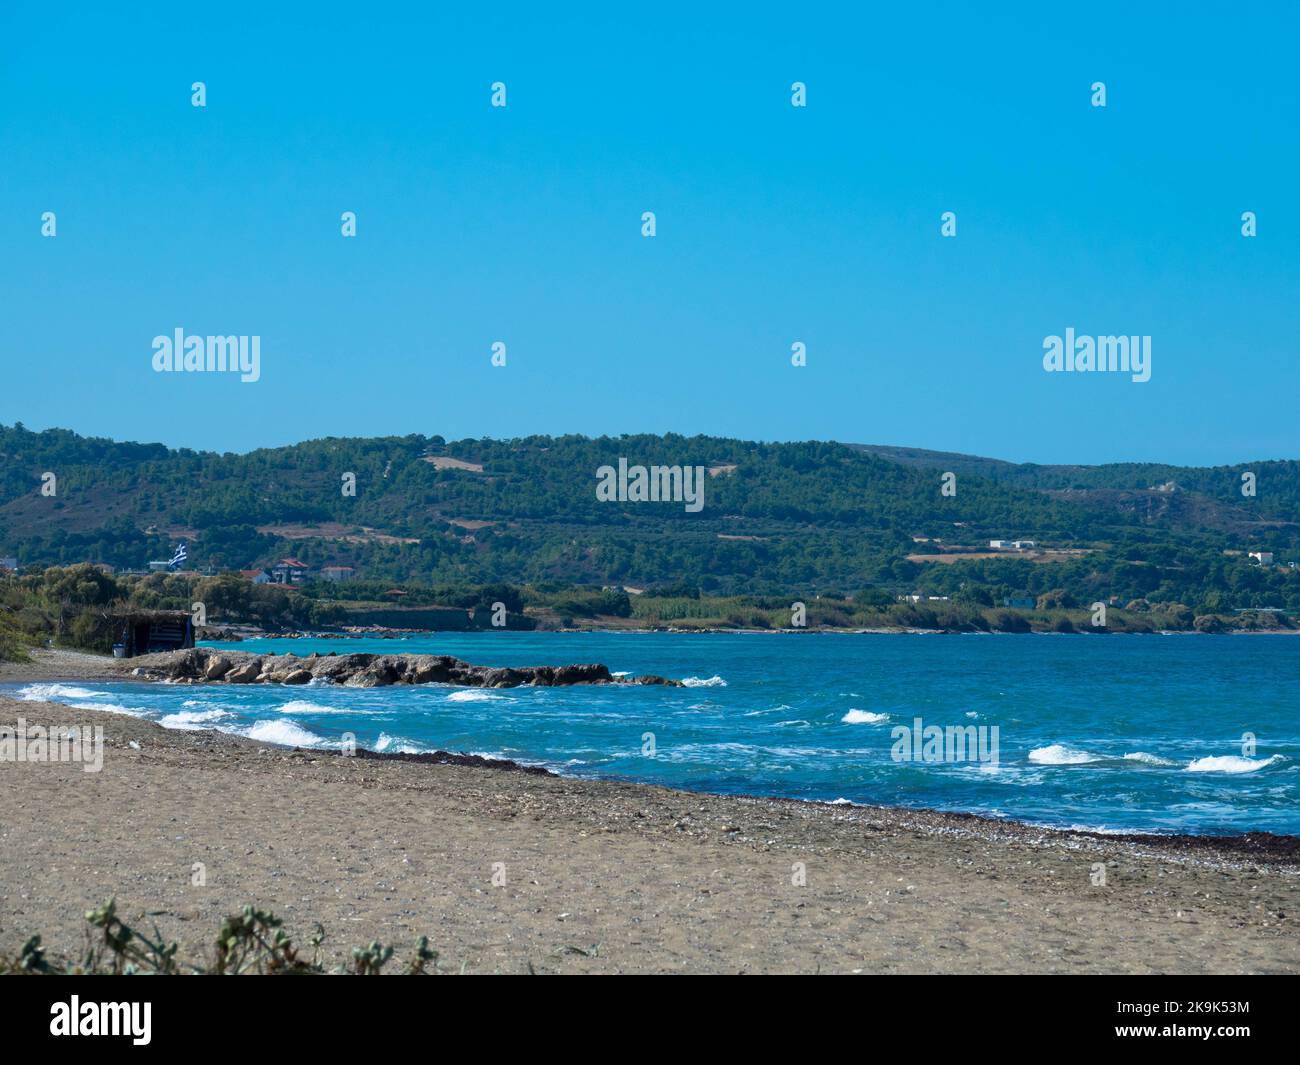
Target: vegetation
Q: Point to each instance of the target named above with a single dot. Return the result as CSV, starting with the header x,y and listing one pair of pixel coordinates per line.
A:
x,y
250,942
78,606
467,523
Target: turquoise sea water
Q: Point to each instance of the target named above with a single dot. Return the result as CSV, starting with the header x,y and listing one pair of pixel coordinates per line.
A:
x,y
1106,732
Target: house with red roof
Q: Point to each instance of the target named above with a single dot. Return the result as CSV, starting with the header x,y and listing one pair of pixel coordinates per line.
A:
x,y
289,571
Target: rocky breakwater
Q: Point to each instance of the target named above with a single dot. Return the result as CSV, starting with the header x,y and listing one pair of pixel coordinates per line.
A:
x,y
204,665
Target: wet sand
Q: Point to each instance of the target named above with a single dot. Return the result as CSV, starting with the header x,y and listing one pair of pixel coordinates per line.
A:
x,y
600,877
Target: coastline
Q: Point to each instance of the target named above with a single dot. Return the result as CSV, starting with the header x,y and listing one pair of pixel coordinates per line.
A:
x,y
825,630
602,876
67,666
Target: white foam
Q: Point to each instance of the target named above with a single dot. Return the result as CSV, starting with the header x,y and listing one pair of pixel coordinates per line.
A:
x,y
1059,754
192,720
396,744
46,692
287,733
472,695
110,708
303,706
1231,763
1147,759
769,710
864,717
704,682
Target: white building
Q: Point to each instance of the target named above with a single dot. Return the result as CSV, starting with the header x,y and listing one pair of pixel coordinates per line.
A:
x,y
1264,558
289,571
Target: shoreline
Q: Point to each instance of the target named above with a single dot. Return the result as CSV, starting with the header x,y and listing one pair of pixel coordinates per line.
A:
x,y
620,630
1282,850
605,876
72,667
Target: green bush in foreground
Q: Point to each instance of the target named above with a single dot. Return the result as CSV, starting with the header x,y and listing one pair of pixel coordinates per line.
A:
x,y
250,942
14,642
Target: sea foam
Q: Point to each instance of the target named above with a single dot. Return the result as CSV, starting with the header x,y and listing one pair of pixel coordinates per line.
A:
x,y
387,744
1231,763
472,695
109,708
1147,759
286,733
53,692
1059,754
864,717
192,720
303,706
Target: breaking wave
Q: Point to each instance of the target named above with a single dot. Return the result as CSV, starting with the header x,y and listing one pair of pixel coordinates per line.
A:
x,y
1059,754
864,717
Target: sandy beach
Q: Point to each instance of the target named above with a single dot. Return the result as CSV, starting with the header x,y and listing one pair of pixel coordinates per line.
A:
x,y
599,877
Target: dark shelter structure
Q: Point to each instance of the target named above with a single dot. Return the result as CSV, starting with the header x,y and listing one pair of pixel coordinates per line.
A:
x,y
142,632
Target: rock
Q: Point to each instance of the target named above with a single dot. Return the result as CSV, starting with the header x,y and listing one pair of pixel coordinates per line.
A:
x,y
338,668
198,665
246,673
502,678
380,673
586,674
218,667
430,669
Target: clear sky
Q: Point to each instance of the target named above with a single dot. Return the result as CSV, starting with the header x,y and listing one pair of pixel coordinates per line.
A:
x,y
775,224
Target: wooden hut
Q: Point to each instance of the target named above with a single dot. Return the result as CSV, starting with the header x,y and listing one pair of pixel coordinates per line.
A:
x,y
143,632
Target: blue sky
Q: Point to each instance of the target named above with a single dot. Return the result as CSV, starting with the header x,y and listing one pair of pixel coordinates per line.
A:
x,y
775,224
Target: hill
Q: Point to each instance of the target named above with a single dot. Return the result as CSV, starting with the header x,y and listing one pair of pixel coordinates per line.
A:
x,y
804,517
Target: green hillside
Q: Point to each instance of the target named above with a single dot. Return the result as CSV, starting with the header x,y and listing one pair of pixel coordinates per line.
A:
x,y
795,517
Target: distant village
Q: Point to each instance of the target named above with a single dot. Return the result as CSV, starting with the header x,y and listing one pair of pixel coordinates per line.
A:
x,y
286,573
289,571
938,551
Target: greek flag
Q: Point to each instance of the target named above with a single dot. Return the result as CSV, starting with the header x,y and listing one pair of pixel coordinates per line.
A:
x,y
179,557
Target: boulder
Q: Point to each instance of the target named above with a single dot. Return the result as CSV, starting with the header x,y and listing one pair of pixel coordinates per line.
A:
x,y
247,673
218,667
430,669
380,673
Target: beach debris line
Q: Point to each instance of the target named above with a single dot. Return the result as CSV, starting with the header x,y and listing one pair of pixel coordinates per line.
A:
x,y
204,665
475,761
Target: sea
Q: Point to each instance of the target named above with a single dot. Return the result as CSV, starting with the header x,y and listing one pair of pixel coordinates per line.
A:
x,y
1175,734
